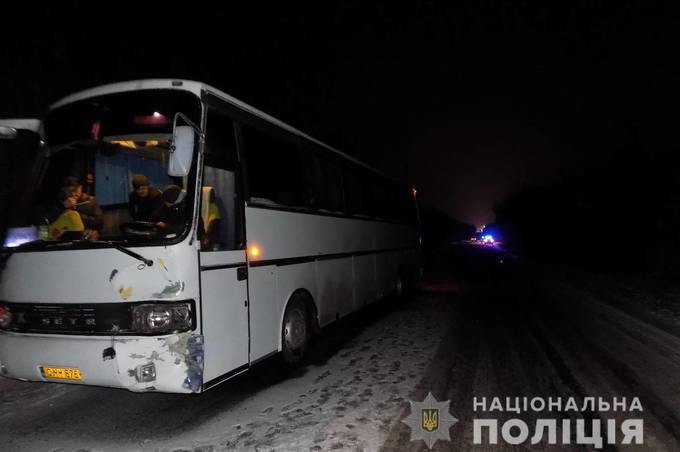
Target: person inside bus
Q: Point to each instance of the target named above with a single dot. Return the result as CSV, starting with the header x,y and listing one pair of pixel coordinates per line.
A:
x,y
210,221
64,223
88,208
171,216
72,198
145,200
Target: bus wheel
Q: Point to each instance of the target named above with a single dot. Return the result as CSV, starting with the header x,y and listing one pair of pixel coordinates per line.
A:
x,y
295,332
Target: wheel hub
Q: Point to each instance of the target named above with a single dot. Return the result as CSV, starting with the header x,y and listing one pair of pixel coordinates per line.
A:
x,y
295,330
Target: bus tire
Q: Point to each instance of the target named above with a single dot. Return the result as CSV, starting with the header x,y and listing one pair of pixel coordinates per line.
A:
x,y
295,332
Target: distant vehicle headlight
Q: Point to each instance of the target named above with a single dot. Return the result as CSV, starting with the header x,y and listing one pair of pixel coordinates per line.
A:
x,y
5,317
161,317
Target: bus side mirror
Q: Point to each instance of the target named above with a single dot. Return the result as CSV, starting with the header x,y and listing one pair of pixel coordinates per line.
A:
x,y
181,151
8,133
14,128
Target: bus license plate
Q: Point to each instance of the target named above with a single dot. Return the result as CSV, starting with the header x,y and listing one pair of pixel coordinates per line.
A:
x,y
61,373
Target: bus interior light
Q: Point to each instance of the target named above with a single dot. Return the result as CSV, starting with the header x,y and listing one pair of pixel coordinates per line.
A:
x,y
154,119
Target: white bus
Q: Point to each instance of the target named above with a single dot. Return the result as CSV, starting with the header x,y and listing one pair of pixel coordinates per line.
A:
x,y
252,237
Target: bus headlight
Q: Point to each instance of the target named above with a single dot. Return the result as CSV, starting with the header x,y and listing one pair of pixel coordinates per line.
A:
x,y
5,317
161,317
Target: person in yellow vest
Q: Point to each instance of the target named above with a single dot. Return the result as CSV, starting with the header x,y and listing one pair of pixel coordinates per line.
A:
x,y
86,205
68,223
210,220
75,214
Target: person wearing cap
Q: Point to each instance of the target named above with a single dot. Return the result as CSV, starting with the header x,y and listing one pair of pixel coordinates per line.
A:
x,y
145,200
171,216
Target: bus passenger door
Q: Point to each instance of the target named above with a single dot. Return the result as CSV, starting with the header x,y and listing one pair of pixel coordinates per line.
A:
x,y
224,290
224,313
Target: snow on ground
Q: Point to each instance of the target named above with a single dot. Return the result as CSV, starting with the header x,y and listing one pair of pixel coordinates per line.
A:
x,y
651,297
347,404
346,401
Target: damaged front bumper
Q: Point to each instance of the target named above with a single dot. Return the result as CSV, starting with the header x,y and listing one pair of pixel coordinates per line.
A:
x,y
168,363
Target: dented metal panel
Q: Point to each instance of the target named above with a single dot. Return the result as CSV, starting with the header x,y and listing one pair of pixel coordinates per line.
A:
x,y
101,275
178,360
97,276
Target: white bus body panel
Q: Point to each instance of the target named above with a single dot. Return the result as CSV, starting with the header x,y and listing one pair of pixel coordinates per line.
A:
x,y
286,234
263,319
342,262
101,276
22,355
365,287
334,280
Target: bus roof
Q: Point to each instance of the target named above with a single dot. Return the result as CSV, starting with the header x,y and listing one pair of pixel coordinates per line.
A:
x,y
197,88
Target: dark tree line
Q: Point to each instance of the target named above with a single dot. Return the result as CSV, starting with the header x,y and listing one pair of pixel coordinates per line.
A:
x,y
438,231
622,217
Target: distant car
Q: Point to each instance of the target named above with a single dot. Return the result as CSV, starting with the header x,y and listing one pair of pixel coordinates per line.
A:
x,y
488,239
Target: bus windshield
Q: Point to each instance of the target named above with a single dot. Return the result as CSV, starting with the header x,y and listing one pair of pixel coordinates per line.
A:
x,y
104,173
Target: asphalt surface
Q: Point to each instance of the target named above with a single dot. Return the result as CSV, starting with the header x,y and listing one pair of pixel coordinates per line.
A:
x,y
517,331
485,325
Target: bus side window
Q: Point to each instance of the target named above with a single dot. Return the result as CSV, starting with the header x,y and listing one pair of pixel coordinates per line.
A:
x,y
333,198
358,193
220,222
279,171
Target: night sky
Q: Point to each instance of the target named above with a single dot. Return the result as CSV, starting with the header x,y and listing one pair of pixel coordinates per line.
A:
x,y
468,101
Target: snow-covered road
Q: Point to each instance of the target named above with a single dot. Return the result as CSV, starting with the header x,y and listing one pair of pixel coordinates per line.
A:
x,y
487,325
354,388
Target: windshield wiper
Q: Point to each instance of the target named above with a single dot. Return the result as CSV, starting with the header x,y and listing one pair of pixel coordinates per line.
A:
x,y
120,248
7,252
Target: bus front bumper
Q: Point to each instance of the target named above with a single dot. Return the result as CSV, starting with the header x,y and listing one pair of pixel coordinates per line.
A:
x,y
170,363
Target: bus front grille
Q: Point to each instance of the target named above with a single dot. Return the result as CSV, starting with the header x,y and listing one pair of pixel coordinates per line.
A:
x,y
93,318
